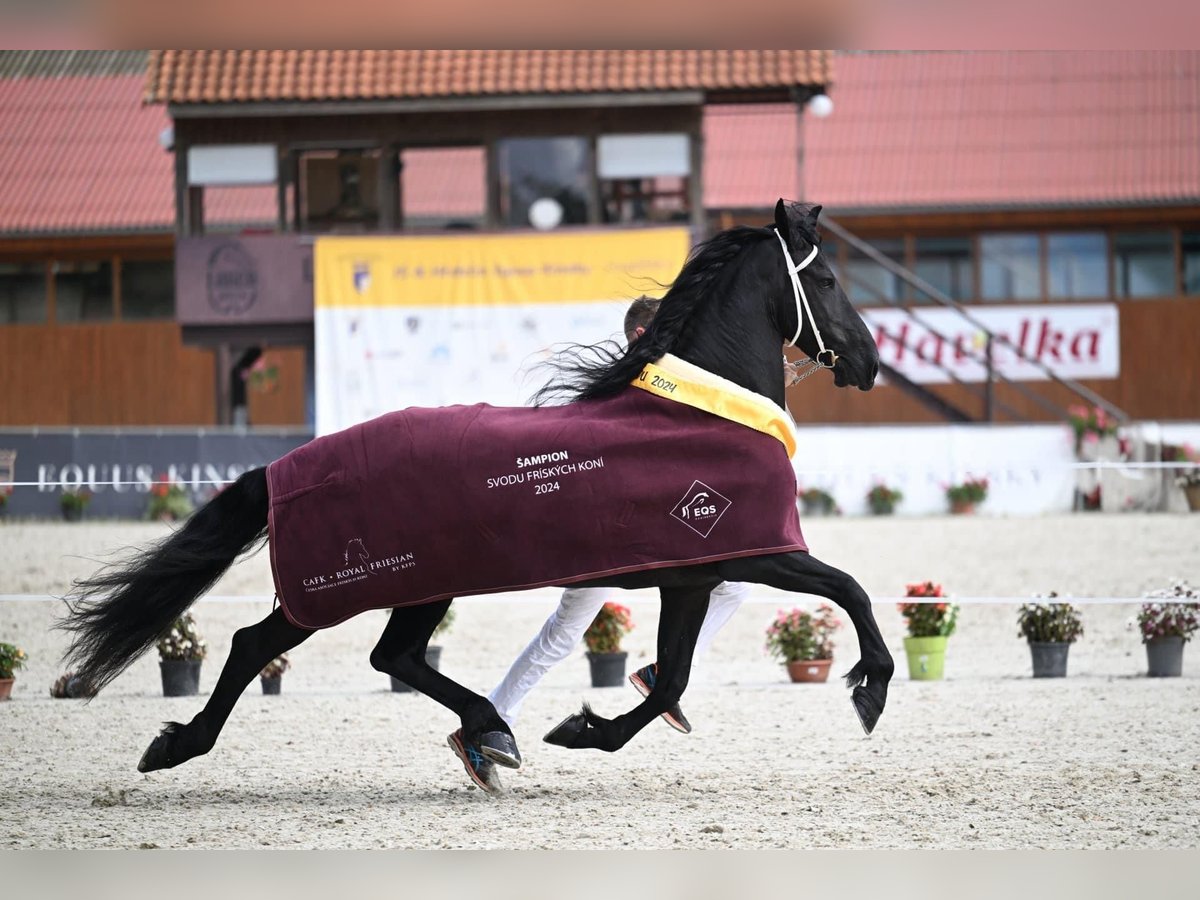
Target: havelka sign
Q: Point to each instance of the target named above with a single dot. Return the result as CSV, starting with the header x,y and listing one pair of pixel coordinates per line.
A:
x,y
243,280
1075,341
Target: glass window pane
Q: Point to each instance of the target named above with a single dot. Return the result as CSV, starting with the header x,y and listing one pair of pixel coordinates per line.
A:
x,y
22,292
1009,267
1078,264
532,168
83,291
1145,264
866,282
945,262
1191,262
147,289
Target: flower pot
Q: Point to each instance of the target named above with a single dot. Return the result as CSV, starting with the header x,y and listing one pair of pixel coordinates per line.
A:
x,y
271,685
962,507
72,513
1192,492
817,508
180,677
1049,658
608,669
433,655
6,688
1164,657
926,657
809,670
882,509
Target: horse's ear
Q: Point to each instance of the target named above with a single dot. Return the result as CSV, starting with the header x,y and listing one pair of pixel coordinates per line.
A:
x,y
810,218
781,218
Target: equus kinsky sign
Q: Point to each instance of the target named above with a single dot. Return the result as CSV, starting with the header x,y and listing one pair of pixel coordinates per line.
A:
x,y
118,468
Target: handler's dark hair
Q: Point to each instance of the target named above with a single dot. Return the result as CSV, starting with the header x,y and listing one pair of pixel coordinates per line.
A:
x,y
640,313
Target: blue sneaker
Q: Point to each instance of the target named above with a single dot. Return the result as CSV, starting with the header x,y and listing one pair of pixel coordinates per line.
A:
x,y
643,679
480,769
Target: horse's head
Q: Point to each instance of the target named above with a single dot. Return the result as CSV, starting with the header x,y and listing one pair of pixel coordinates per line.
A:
x,y
829,312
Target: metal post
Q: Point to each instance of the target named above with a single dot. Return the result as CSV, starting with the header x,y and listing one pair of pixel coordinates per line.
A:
x,y
989,396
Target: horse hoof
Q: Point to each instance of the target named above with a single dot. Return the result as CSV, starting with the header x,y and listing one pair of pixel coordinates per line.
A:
x,y
501,748
866,708
568,732
158,755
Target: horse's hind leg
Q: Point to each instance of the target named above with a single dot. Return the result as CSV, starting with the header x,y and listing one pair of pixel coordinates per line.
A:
x,y
401,653
804,573
252,648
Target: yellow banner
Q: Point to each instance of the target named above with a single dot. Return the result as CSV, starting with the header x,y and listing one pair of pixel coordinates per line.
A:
x,y
564,267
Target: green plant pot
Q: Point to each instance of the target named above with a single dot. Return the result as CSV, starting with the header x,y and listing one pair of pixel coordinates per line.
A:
x,y
926,657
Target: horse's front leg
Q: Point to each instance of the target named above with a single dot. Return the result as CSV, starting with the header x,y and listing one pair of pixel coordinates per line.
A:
x,y
803,573
683,610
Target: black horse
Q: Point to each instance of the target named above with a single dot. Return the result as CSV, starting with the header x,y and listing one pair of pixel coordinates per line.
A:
x,y
737,300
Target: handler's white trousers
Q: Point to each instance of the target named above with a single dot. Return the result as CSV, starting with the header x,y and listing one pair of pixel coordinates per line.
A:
x,y
564,629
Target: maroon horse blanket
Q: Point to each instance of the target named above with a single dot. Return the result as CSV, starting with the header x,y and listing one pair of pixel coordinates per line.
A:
x,y
424,504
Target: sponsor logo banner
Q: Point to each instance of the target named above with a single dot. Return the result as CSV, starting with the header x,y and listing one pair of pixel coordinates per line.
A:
x,y
1075,341
434,321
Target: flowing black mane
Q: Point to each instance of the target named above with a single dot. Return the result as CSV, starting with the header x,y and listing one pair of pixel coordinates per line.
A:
x,y
591,371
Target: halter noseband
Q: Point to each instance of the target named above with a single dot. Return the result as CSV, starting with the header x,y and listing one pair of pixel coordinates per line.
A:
x,y
825,359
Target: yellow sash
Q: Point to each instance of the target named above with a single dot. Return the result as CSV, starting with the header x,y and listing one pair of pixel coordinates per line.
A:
x,y
677,380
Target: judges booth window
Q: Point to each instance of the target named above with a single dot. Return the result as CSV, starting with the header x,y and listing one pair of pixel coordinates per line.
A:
x,y
869,283
147,289
1145,263
532,169
1191,262
1009,267
339,191
946,263
644,177
83,291
1077,265
22,293
443,187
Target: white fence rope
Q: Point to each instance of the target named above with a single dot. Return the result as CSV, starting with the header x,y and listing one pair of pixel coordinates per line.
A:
x,y
491,599
1076,466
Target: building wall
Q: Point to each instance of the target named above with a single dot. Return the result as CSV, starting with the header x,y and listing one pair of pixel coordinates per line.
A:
x,y
126,373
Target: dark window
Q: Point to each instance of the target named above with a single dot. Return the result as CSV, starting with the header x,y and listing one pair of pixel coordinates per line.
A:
x,y
945,262
1009,267
339,190
535,168
22,292
1145,263
83,291
659,199
1077,265
1191,262
147,289
867,282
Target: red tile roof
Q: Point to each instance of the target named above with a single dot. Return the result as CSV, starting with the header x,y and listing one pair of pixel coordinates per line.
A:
x,y
947,130
238,76
1018,128
81,154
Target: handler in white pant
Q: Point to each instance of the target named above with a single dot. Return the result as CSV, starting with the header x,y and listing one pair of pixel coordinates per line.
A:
x,y
564,629
579,606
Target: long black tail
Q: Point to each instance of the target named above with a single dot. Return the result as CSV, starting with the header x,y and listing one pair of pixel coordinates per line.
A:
x,y
118,613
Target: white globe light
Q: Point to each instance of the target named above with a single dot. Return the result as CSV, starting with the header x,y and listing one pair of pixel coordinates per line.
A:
x,y
820,105
545,213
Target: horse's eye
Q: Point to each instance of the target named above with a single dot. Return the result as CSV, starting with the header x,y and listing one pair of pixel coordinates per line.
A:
x,y
827,284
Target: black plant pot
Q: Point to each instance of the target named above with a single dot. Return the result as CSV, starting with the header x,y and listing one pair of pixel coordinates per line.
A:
x,y
271,685
608,669
180,677
1049,658
72,513
1164,657
433,655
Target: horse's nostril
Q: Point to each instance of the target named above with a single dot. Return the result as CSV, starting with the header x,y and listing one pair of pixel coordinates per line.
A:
x,y
874,370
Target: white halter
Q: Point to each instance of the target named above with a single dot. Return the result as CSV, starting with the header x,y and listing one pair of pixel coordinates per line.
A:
x,y
825,359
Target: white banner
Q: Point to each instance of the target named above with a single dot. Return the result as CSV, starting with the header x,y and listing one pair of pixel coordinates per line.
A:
x,y
1027,466
1075,341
